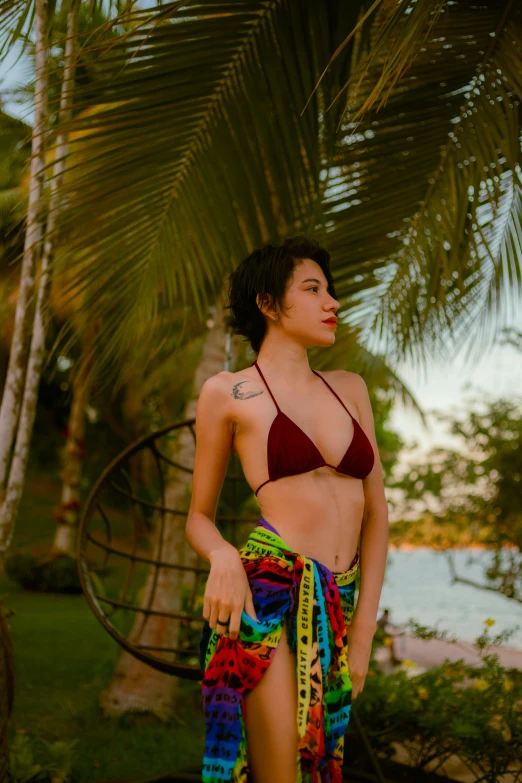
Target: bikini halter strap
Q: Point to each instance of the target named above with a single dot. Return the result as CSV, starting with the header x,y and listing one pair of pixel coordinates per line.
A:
x,y
266,384
333,392
316,373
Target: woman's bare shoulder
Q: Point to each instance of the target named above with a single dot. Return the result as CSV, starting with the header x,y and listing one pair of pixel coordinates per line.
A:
x,y
230,386
346,378
350,384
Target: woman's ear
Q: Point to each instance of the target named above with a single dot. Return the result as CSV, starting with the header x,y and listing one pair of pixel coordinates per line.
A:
x,y
263,302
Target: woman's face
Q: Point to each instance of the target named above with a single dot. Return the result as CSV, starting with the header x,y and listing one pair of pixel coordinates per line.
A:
x,y
307,304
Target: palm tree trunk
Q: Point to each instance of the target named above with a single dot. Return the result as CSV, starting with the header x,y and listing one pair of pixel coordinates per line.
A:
x,y
136,686
136,425
68,514
13,494
13,390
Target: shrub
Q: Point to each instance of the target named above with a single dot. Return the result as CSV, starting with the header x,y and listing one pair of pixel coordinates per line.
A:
x,y
470,711
23,767
51,574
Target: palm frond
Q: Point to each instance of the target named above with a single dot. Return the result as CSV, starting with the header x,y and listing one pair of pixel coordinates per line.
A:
x,y
10,201
448,129
17,18
396,34
16,22
193,154
196,151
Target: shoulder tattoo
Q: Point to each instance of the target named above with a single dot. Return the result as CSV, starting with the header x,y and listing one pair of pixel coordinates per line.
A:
x,y
239,394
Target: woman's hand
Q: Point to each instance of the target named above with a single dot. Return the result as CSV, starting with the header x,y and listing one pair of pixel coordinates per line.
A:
x,y
359,653
227,592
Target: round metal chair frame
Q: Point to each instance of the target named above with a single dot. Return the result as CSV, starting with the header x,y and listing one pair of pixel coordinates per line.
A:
x,y
95,600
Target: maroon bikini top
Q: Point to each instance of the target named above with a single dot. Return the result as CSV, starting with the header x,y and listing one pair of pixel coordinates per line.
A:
x,y
290,451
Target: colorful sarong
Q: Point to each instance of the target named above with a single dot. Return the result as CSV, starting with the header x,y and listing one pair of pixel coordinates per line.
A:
x,y
320,604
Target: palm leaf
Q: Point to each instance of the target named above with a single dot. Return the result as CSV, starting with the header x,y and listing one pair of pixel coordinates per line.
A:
x,y
17,18
194,153
441,132
197,150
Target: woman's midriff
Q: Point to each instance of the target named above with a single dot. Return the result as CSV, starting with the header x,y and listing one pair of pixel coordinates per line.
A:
x,y
317,518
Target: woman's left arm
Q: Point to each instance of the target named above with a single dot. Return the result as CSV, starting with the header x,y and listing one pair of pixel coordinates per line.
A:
x,y
373,550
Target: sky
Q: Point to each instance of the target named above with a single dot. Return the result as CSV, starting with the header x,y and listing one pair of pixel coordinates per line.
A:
x,y
497,374
12,74
444,387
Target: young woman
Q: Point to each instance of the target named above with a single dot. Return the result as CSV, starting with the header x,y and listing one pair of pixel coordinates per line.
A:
x,y
283,650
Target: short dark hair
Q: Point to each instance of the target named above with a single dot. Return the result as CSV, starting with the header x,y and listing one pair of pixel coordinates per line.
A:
x,y
266,272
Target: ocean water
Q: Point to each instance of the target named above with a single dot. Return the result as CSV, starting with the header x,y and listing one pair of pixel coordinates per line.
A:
x,y
417,584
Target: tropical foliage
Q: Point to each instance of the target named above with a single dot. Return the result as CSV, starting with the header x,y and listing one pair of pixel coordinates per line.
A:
x,y
470,713
169,140
469,494
199,146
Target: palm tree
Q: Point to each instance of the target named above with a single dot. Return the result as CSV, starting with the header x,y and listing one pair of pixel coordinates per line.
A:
x,y
68,513
201,147
28,348
13,494
18,357
188,169
14,154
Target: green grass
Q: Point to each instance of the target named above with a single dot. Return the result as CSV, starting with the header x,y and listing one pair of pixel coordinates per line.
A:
x,y
64,659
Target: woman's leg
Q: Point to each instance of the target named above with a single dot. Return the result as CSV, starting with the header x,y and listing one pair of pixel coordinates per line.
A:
x,y
271,719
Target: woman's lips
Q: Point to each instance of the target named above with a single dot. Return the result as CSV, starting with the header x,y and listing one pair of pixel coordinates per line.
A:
x,y
330,323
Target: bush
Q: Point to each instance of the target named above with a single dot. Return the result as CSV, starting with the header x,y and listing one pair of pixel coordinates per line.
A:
x,y
50,574
472,712
23,767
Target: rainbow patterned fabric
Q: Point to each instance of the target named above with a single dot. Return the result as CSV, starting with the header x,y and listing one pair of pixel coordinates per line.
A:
x,y
320,604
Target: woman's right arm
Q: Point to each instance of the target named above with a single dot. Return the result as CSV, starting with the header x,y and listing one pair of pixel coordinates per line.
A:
x,y
227,590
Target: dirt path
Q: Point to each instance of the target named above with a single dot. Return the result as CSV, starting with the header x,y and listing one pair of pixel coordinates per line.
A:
x,y
432,652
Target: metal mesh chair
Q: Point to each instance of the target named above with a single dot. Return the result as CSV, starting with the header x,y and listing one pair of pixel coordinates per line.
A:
x,y
140,577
